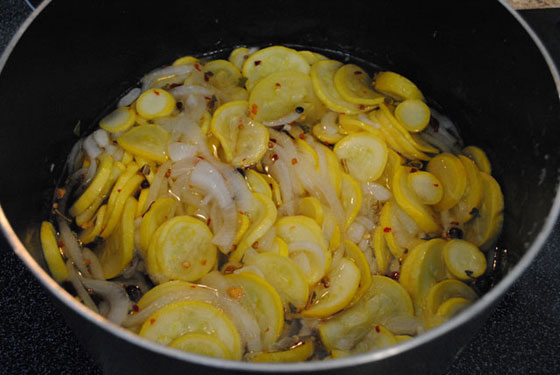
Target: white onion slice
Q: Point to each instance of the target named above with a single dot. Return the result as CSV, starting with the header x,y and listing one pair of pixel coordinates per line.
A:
x,y
179,70
378,191
79,287
289,118
179,151
91,148
101,137
94,265
355,232
114,294
74,156
366,120
73,249
129,97
184,91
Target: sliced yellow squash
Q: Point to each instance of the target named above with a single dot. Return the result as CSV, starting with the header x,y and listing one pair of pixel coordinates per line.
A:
x,y
238,56
148,141
297,353
464,209
363,154
449,169
160,211
427,187
413,114
221,73
356,255
119,120
154,103
396,86
479,157
52,253
355,86
95,187
203,344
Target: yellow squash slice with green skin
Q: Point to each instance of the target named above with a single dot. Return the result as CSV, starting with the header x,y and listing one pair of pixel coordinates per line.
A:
x,y
283,274
449,169
182,318
464,260
244,141
203,344
422,269
463,210
355,86
322,76
272,60
337,292
312,253
148,141
51,252
396,86
94,189
263,216
118,249
259,297
384,300
363,154
282,94
159,212
297,353
484,229
409,202
181,249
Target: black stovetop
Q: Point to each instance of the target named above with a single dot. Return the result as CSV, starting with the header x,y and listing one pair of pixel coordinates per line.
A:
x,y
522,335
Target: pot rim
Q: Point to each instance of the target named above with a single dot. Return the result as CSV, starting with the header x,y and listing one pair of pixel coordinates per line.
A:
x,y
475,310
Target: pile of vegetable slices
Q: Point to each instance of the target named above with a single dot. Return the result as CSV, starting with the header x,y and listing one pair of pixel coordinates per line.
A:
x,y
278,206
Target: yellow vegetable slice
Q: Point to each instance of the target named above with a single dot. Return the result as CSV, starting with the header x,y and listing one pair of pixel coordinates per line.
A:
x,y
378,338
148,141
142,198
244,141
161,290
311,207
257,183
311,57
96,186
353,124
422,269
243,223
297,353
263,216
203,344
305,151
181,318
396,86
154,103
337,291
259,297
119,120
328,134
384,300
355,254
90,234
322,77
413,114
160,211
463,259
350,198
449,309
394,160
402,338
331,230
409,202
389,226
382,253
449,169
311,252
222,73
285,94
238,56
479,157
463,210
183,249
427,187
444,291
484,229
331,165
283,274
114,212
186,60
118,249
272,60
363,154
355,86
52,253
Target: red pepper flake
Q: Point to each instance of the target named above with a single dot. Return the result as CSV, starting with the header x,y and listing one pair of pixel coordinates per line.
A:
x,y
201,157
254,109
168,173
60,244
135,308
60,192
377,329
395,275
357,72
241,213
412,170
436,185
244,160
454,223
255,245
208,221
204,261
273,140
258,62
361,107
229,269
152,321
270,145
387,229
186,264
156,92
193,286
197,67
277,85
173,85
294,161
274,157
302,136
86,262
190,186
267,329
235,292
119,190
240,126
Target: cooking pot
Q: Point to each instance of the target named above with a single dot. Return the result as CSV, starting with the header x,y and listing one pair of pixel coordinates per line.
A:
x,y
483,67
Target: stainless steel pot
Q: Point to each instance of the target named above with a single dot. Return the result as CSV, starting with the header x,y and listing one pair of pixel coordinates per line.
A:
x,y
484,67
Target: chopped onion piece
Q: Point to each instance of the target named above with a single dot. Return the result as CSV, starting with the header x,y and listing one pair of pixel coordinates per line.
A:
x,y
363,118
378,191
79,287
179,151
283,120
91,148
129,97
101,137
114,294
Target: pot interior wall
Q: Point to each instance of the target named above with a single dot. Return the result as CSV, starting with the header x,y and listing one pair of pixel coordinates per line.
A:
x,y
474,61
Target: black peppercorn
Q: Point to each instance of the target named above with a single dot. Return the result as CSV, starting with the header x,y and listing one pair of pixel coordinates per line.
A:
x,y
455,232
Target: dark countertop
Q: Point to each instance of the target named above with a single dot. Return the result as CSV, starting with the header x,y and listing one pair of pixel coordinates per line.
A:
x,y
522,335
